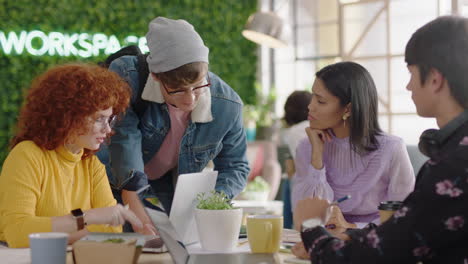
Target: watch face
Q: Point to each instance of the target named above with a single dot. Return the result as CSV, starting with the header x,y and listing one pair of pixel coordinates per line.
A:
x,y
77,212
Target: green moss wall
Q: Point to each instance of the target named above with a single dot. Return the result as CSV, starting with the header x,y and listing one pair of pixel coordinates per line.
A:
x,y
219,22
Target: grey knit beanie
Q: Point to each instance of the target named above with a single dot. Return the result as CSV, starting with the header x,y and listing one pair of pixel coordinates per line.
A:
x,y
173,43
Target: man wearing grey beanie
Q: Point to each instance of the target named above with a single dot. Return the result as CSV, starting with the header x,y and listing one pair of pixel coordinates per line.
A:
x,y
192,117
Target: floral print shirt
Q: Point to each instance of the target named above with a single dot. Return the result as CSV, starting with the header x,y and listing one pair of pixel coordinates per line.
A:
x,y
431,226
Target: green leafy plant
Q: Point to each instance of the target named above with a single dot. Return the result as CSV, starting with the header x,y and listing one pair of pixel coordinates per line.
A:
x,y
257,185
214,201
250,113
263,111
260,117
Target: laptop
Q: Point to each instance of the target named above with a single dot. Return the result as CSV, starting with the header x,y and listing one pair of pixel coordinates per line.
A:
x,y
177,249
182,214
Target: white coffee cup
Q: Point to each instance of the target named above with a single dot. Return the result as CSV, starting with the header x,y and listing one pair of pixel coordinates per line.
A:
x,y
48,248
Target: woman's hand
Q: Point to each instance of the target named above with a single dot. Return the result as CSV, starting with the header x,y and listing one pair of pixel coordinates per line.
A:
x,y
113,215
317,139
299,251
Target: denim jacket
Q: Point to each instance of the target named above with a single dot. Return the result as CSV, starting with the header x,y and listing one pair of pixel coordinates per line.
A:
x,y
215,132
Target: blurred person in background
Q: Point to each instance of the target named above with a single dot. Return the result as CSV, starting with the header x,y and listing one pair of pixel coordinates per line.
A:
x,y
295,119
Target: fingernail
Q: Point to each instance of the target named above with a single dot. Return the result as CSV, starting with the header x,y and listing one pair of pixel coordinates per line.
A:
x,y
330,226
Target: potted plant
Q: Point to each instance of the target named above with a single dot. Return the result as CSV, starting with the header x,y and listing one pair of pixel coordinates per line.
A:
x,y
265,113
218,222
256,190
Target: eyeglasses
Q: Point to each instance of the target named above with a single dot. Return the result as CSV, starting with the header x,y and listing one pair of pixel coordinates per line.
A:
x,y
197,90
102,121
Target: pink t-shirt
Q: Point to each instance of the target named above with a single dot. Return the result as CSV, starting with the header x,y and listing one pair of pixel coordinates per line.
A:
x,y
166,158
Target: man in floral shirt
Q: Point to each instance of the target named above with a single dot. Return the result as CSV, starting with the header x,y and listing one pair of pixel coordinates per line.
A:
x,y
432,225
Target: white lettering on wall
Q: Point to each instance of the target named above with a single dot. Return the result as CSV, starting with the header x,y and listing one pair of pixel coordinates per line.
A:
x,y
43,39
84,45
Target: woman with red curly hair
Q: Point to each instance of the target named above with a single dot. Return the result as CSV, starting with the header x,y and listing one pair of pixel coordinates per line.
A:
x,y
51,181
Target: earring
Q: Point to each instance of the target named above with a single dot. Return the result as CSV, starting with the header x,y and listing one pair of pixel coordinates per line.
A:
x,y
344,120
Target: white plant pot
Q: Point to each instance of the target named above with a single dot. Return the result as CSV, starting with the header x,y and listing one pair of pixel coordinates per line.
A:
x,y
218,230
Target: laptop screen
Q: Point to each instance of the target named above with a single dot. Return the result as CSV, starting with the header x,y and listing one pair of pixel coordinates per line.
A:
x,y
164,226
182,215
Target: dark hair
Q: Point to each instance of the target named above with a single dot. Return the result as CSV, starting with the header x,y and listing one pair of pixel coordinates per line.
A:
x,y
184,75
352,83
295,108
60,100
442,44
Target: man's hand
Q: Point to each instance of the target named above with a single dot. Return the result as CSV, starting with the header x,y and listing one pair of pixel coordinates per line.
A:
x,y
336,219
310,208
299,251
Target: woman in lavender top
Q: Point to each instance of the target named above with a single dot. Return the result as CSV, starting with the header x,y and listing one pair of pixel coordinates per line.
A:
x,y
346,152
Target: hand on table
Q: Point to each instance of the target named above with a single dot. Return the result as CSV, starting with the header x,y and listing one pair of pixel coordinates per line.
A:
x,y
112,215
310,208
299,251
330,214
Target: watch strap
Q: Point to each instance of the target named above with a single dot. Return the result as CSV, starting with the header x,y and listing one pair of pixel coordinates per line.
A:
x,y
79,217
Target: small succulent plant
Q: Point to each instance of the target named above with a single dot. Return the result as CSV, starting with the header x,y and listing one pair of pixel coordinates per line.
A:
x,y
214,201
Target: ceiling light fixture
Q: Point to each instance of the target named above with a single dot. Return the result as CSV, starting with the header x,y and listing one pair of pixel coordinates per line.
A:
x,y
264,28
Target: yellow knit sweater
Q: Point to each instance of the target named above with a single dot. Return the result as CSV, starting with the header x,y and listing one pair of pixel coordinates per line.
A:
x,y
36,184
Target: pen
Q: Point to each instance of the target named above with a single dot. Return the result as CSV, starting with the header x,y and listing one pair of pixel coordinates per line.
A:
x,y
342,199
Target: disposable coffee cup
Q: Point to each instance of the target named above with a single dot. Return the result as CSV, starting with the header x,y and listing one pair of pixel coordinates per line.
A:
x,y
386,209
48,248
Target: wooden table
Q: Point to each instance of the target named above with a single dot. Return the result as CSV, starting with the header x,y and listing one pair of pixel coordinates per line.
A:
x,y
22,256
145,258
165,258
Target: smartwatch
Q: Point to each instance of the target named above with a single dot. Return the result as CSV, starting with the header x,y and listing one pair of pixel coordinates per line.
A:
x,y
79,217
